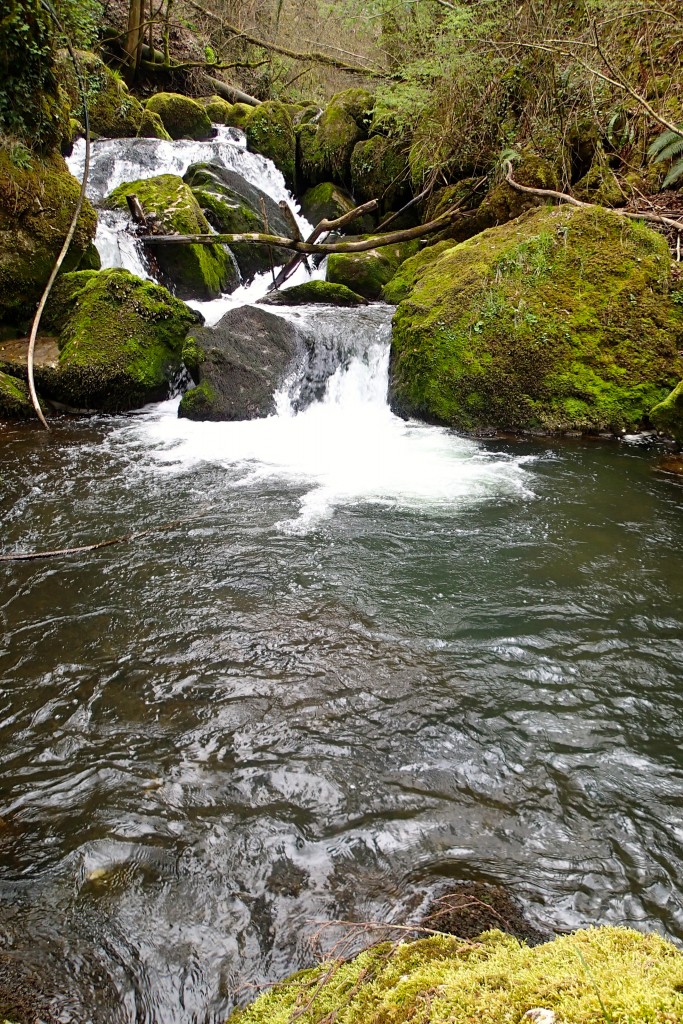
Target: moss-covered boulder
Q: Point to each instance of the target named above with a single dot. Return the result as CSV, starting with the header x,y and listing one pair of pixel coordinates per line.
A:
x,y
152,127
190,271
270,132
231,204
600,185
409,272
38,196
464,195
218,109
239,115
560,321
182,117
113,112
325,146
366,273
596,975
503,203
326,201
320,292
667,416
15,402
379,171
120,340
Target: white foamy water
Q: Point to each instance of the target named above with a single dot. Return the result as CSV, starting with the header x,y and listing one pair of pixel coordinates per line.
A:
x,y
348,449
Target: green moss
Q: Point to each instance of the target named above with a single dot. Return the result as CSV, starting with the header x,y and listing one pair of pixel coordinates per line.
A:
x,y
411,270
464,195
503,203
270,132
379,171
592,976
15,403
198,401
191,271
152,127
239,115
667,416
113,112
315,292
561,320
325,147
600,186
366,273
325,201
182,117
36,205
218,109
120,339
192,356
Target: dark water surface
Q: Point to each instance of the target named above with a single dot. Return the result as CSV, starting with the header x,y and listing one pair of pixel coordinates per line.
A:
x,y
223,733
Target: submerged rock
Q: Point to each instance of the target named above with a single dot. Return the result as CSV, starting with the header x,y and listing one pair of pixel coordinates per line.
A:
x,y
182,117
562,320
494,979
231,204
667,416
191,271
314,292
270,132
119,341
37,199
247,357
366,273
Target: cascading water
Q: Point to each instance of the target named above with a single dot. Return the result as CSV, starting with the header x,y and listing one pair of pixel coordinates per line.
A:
x,y
379,659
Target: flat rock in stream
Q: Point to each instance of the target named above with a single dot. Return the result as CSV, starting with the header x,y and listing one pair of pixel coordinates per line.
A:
x,y
245,359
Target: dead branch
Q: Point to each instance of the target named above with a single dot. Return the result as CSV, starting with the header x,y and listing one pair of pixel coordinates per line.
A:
x,y
309,248
26,556
313,56
291,220
563,197
324,227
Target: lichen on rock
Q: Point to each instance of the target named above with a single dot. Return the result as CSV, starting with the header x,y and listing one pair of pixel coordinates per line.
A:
x,y
182,117
190,271
562,320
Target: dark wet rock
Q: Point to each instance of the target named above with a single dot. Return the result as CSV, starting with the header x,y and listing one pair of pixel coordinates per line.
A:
x,y
232,205
248,356
471,908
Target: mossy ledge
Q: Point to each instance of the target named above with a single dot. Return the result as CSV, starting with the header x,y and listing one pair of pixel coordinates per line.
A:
x,y
563,320
596,975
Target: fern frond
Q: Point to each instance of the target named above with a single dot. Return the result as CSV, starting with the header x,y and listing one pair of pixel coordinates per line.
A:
x,y
675,174
672,150
662,141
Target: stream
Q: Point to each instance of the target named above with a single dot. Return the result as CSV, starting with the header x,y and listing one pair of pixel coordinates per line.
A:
x,y
367,659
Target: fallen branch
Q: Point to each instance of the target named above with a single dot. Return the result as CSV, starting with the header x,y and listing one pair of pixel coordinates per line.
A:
x,y
324,227
563,197
27,556
313,56
309,248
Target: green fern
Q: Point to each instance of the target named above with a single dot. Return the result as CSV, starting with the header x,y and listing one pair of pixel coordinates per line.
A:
x,y
669,146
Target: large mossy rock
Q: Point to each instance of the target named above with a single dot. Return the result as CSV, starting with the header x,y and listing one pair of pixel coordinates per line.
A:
x,y
15,402
379,171
182,117
152,127
325,146
218,109
120,340
239,115
270,132
366,273
190,271
38,197
231,205
113,112
314,292
325,201
562,320
245,359
503,203
600,974
667,416
600,185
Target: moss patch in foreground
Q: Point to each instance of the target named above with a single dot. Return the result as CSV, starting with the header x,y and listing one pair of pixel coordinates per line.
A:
x,y
593,976
667,416
15,403
564,319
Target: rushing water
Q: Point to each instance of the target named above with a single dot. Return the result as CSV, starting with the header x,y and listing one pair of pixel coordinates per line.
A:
x,y
380,658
